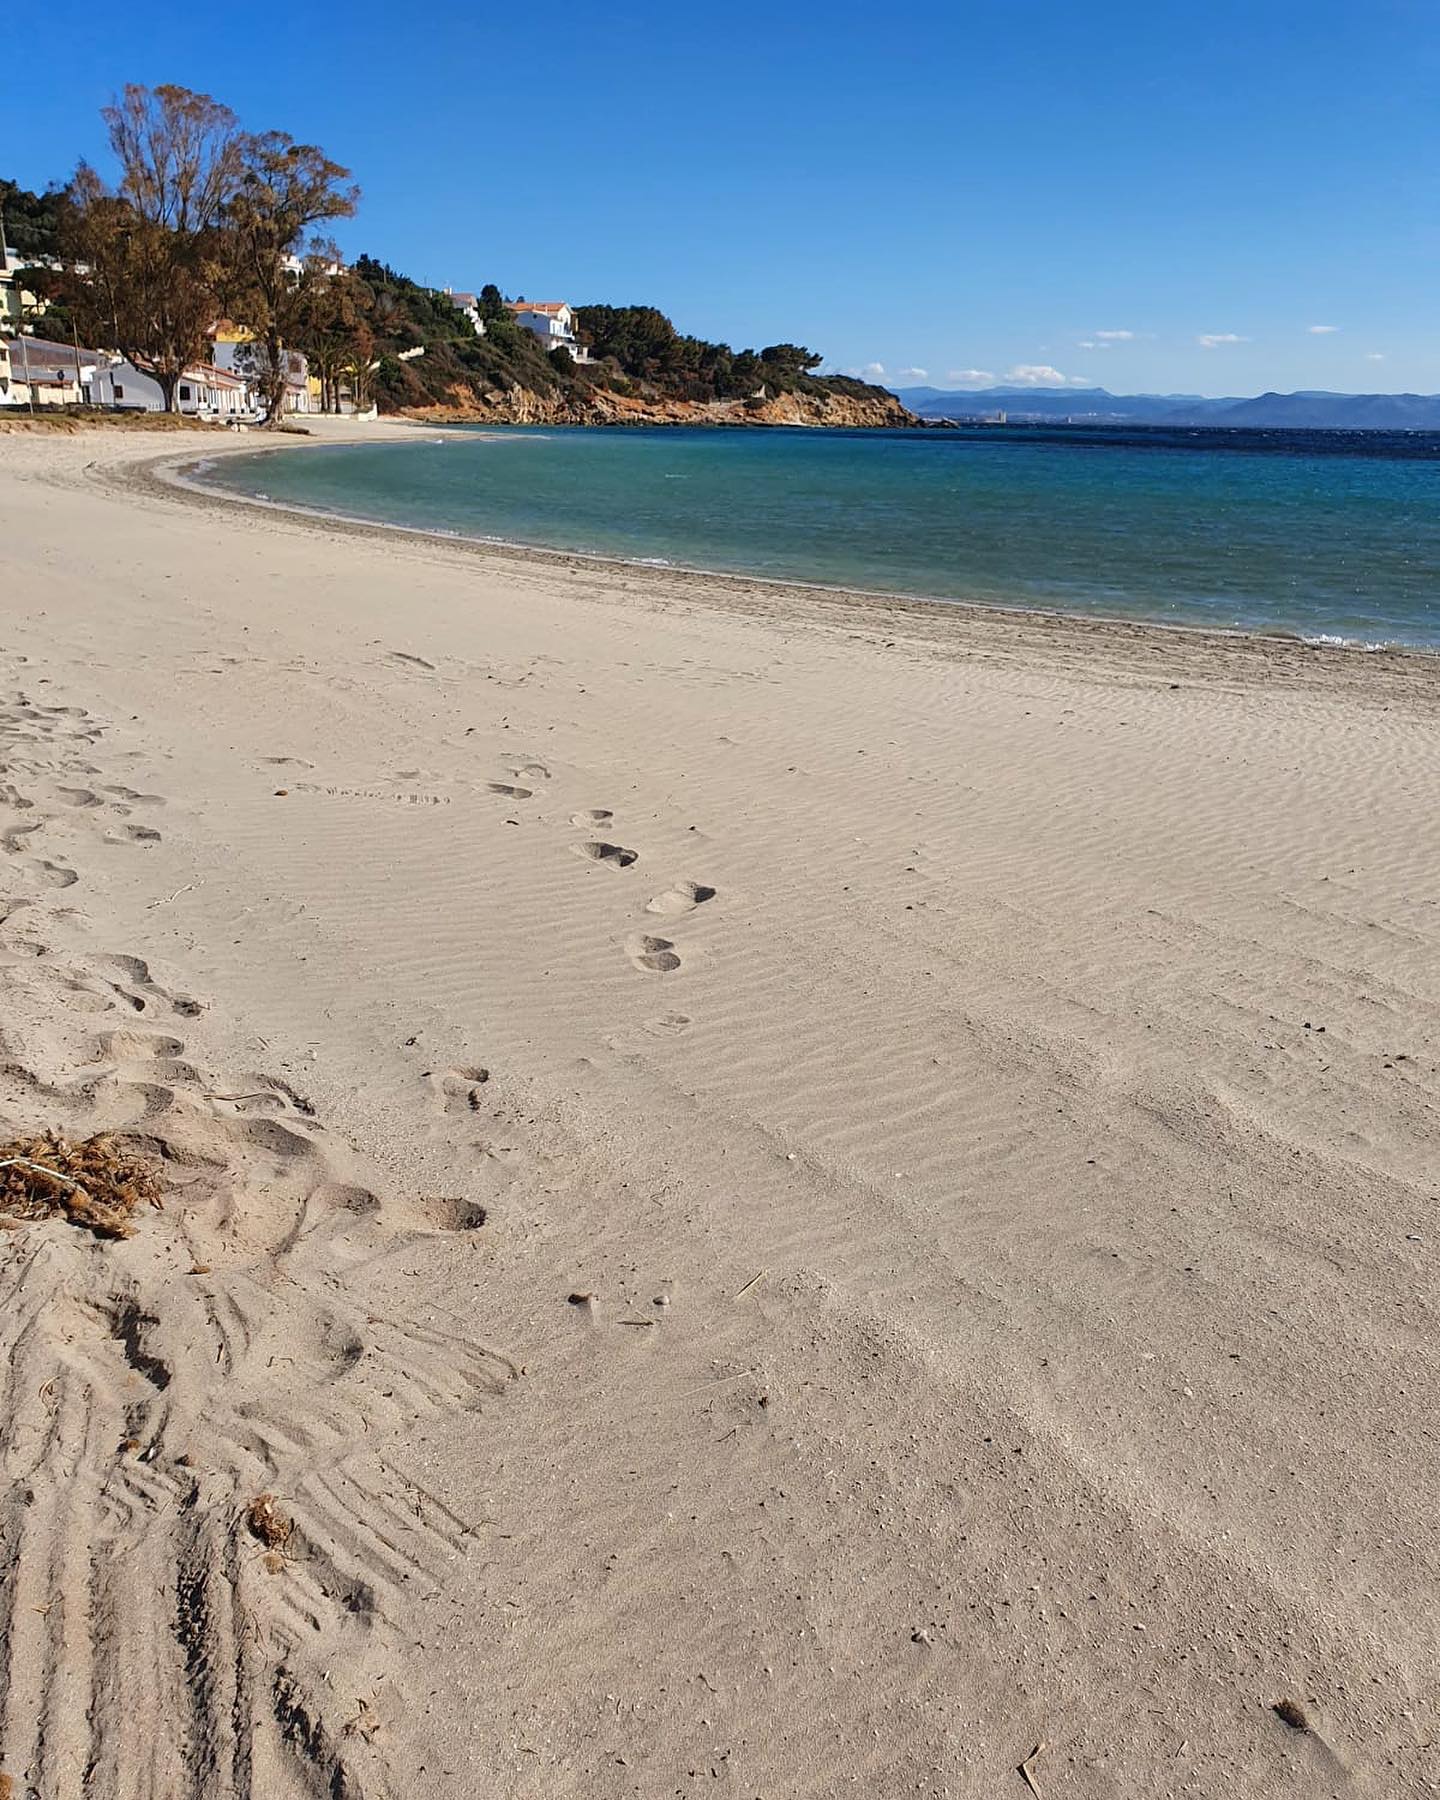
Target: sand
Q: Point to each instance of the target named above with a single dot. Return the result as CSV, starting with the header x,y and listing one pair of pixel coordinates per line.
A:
x,y
785,1195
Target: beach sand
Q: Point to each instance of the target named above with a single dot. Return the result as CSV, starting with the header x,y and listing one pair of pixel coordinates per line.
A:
x,y
791,1196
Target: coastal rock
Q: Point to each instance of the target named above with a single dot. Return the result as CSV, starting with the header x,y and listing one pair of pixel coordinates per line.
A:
x,y
603,406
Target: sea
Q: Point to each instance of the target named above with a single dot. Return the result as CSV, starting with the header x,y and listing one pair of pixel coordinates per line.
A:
x,y
1332,537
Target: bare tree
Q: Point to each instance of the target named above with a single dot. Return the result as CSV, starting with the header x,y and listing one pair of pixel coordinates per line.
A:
x,y
179,155
285,190
144,261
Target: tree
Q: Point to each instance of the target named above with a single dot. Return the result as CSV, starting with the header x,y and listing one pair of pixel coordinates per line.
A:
x,y
360,369
30,223
334,334
285,190
143,262
786,362
179,155
747,374
640,338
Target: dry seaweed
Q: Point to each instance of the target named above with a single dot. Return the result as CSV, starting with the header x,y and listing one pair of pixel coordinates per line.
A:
x,y
264,1520
98,1184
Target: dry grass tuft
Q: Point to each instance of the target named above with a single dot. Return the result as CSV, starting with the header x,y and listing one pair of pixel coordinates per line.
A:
x,y
264,1520
66,421
99,1184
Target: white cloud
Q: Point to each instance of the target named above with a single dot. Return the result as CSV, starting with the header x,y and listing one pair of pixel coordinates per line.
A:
x,y
1115,337
914,374
1042,375
1374,356
1090,344
873,371
971,377
1321,330
1210,339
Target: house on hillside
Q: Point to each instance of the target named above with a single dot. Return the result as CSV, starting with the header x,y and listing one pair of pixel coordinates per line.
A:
x,y
295,266
17,303
468,305
553,322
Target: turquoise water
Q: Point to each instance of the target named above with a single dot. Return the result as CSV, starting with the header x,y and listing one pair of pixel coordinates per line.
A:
x,y
1320,535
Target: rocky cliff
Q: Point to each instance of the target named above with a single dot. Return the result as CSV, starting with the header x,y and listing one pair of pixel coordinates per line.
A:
x,y
870,407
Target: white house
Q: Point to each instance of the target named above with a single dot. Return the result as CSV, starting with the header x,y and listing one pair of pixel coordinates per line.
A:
x,y
553,322
469,305
295,266
203,392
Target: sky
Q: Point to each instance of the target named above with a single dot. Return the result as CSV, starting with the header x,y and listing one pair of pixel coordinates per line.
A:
x,y
1148,195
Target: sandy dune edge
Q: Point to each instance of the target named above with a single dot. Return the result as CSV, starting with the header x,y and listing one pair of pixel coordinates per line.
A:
x,y
468,932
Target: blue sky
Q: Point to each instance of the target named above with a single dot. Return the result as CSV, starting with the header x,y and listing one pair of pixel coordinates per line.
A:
x,y
1163,196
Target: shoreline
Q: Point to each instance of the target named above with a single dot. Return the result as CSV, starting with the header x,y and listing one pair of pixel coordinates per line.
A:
x,y
826,1190
173,473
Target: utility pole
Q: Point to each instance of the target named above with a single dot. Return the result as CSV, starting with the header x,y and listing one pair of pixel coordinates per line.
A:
x,y
25,366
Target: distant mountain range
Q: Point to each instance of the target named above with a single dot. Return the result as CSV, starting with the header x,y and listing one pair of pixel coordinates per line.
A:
x,y
1309,411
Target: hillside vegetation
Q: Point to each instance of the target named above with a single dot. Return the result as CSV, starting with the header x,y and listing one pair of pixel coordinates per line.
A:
x,y
642,365
356,326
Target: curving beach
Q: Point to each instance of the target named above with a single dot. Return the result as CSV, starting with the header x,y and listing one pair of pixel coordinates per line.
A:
x,y
793,1194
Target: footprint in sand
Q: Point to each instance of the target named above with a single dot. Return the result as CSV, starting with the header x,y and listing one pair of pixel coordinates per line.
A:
x,y
683,897
139,1046
530,771
134,796
656,955
616,855
459,1088
596,817
143,989
511,793
451,1212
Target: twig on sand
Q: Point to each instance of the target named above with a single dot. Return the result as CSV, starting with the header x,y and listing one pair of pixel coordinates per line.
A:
x,y
169,897
1026,1771
758,1276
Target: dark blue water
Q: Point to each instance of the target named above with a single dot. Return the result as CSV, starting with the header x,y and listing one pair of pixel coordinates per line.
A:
x,y
1325,535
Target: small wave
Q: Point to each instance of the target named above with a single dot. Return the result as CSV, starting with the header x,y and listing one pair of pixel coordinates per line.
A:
x,y
654,562
1332,640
